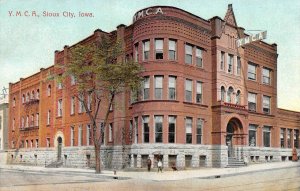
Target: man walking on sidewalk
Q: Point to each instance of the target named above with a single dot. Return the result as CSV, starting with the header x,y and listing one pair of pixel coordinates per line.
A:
x,y
149,163
159,165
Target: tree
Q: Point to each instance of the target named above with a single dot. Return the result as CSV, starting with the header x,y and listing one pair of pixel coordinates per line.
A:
x,y
101,73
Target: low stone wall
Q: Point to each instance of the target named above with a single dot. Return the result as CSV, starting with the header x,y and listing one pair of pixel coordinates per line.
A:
x,y
78,157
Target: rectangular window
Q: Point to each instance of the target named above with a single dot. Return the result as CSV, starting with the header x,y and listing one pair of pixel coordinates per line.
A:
x,y
266,104
88,135
296,138
251,71
80,103
230,63
146,88
252,135
266,76
188,90
146,129
158,129
158,87
48,142
289,141
238,66
136,52
282,137
267,136
200,123
37,120
159,44
110,132
199,92
222,64
188,130
72,137
199,58
59,108
172,50
188,54
48,117
146,49
136,125
252,101
80,135
72,105
172,88
172,129
73,80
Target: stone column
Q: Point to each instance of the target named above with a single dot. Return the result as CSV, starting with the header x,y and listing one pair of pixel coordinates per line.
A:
x,y
131,161
152,160
139,161
166,161
195,160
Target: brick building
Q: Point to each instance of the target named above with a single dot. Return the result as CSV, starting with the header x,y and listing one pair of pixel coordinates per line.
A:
x,y
203,100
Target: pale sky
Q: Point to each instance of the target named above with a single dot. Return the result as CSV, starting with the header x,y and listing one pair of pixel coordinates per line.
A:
x,y
28,43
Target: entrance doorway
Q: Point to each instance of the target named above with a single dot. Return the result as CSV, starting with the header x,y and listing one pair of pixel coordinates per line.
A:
x,y
59,147
234,136
229,135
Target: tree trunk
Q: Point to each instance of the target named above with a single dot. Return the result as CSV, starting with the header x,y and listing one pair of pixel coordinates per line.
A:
x,y
97,158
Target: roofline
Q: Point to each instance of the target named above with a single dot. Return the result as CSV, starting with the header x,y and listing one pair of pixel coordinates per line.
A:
x,y
41,69
288,110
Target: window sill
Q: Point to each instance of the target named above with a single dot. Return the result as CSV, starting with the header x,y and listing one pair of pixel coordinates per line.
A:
x,y
197,104
154,100
58,117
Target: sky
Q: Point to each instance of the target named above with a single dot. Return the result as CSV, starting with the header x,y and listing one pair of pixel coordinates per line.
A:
x,y
27,43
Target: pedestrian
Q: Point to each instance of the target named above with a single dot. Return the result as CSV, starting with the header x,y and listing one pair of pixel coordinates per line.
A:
x,y
149,163
159,165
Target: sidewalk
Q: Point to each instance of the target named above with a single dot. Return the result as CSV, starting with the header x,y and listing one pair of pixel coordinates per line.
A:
x,y
166,175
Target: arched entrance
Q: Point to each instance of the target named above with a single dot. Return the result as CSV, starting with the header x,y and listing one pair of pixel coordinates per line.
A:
x,y
59,147
234,135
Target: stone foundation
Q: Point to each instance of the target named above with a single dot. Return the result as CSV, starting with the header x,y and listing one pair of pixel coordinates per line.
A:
x,y
135,156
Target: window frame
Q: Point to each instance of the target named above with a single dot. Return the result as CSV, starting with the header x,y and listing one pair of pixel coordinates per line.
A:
x,y
158,53
170,50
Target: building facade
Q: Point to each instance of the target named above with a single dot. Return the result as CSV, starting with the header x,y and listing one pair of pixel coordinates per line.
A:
x,y
203,100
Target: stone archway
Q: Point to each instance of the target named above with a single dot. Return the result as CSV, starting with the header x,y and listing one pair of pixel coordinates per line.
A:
x,y
233,131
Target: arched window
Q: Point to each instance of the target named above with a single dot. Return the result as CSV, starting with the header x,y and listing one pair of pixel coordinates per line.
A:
x,y
238,97
23,98
222,93
37,94
49,90
229,93
32,95
14,102
27,97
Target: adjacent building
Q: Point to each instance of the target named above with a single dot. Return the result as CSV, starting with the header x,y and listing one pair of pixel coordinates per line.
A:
x,y
203,100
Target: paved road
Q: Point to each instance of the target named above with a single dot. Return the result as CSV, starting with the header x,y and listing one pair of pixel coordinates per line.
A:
x,y
270,180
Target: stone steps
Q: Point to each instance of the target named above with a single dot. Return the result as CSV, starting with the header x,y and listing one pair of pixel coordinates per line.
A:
x,y
235,163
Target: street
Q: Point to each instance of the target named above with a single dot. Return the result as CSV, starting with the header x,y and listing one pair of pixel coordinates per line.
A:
x,y
280,179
